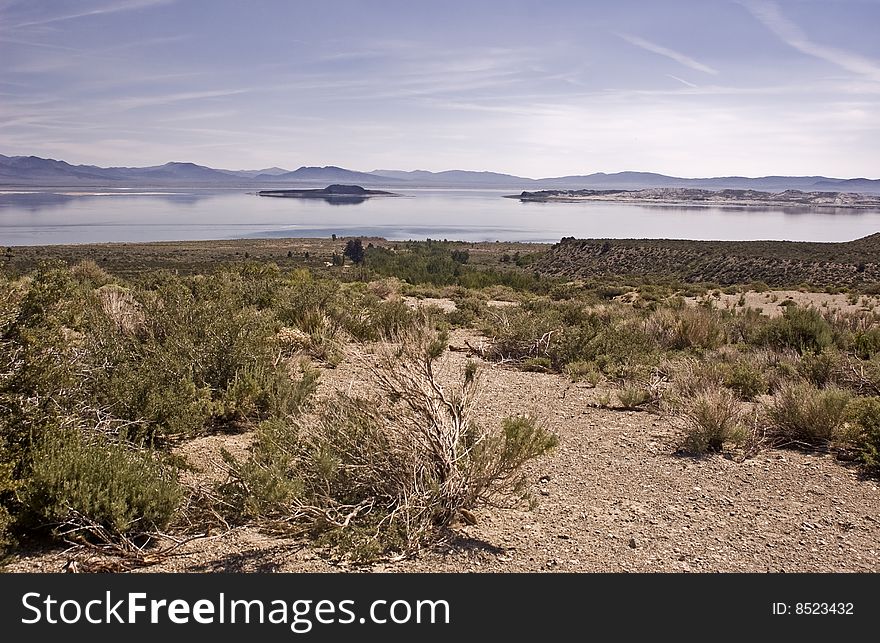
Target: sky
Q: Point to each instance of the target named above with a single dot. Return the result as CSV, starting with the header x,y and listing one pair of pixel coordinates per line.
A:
x,y
533,88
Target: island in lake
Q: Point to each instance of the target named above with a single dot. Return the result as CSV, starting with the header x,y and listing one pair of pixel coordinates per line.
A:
x,y
692,196
332,194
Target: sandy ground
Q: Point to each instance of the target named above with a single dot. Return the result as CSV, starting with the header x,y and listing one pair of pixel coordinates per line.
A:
x,y
615,496
773,302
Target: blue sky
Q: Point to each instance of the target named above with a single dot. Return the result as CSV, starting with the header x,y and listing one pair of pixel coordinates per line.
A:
x,y
535,88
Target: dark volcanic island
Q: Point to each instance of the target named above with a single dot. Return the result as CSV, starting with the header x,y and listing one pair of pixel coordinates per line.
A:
x,y
332,193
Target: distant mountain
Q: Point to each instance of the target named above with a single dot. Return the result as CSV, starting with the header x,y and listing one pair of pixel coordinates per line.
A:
x,y
628,181
36,171
846,185
452,178
329,174
33,170
249,174
174,171
643,180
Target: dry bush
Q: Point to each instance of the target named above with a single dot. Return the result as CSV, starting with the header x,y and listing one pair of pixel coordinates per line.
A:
x,y
713,417
693,376
320,337
802,414
88,271
121,307
634,396
688,327
864,412
385,474
583,371
862,376
385,288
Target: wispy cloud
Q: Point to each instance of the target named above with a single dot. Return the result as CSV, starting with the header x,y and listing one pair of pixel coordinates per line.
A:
x,y
682,81
677,56
787,31
135,102
106,8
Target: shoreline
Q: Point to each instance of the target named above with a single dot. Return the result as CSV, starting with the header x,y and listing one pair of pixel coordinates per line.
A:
x,y
698,204
706,198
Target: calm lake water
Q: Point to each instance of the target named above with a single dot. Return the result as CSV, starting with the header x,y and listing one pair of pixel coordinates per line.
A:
x,y
34,217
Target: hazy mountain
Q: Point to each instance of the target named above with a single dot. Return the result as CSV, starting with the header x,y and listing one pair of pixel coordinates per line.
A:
x,y
628,181
36,171
452,178
642,180
249,174
174,171
33,170
847,185
328,174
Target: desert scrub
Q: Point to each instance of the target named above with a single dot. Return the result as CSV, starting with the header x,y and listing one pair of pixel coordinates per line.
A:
x,y
745,378
537,365
369,319
634,396
864,413
82,484
821,369
692,376
803,414
581,371
468,311
867,343
800,329
262,392
386,474
689,327
713,417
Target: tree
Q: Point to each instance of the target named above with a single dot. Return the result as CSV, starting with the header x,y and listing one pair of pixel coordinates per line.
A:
x,y
354,250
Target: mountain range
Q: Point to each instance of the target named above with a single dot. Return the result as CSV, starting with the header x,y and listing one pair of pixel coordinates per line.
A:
x,y
33,171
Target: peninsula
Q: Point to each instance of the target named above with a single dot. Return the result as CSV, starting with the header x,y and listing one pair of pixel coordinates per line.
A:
x,y
693,196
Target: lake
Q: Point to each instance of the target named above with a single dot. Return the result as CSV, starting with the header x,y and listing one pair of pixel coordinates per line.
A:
x,y
62,216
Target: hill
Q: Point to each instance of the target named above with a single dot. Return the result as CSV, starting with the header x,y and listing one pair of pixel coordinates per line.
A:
x,y
777,263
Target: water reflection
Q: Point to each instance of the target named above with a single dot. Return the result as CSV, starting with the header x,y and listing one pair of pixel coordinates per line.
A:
x,y
37,201
469,215
343,200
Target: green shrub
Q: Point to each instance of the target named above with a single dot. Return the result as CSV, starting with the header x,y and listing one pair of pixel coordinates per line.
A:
x,y
867,343
864,412
800,329
582,371
802,413
370,319
633,396
537,364
266,484
80,483
746,379
468,310
819,368
263,392
318,335
713,417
